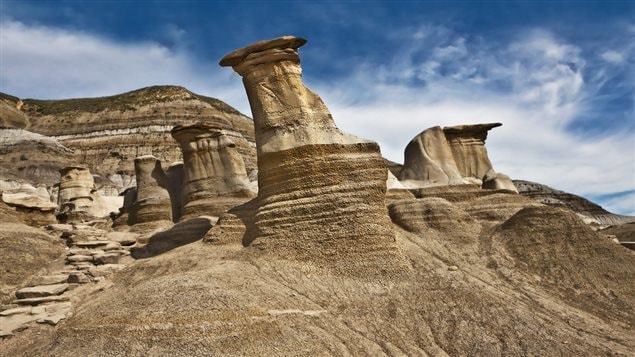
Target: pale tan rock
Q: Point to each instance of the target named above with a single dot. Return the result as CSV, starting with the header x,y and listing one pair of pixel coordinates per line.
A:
x,y
10,114
214,178
28,201
467,143
107,133
76,186
497,181
423,215
428,160
321,195
175,173
152,199
454,155
41,291
123,238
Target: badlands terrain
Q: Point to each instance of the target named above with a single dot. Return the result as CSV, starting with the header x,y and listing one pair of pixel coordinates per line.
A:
x,y
160,222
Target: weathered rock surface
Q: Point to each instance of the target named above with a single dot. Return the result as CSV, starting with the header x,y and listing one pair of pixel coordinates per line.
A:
x,y
509,289
30,157
312,205
182,233
428,160
79,199
76,186
24,251
11,117
423,215
175,175
152,201
454,155
590,212
32,209
41,291
214,174
467,143
107,133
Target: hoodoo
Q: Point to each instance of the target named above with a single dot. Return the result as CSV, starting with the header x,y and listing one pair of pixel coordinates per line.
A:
x,y
76,185
454,155
321,195
153,200
214,175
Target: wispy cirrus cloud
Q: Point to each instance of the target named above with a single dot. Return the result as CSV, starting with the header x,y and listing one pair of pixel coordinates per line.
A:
x,y
537,85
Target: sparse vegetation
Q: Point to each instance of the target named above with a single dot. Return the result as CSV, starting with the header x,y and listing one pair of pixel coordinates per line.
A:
x,y
124,102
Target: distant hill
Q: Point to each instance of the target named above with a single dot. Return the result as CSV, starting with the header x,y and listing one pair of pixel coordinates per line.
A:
x,y
589,211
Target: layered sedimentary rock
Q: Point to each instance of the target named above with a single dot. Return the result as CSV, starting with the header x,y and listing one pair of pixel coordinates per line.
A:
x,y
428,160
454,155
107,133
467,143
423,215
75,189
590,212
321,196
214,174
152,201
31,157
174,174
10,114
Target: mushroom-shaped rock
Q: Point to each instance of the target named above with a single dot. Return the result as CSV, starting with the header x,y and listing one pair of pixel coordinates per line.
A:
x,y
454,155
214,174
152,199
321,197
467,143
428,160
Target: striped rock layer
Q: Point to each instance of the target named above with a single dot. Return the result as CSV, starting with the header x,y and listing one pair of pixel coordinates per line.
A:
x,y
321,194
214,174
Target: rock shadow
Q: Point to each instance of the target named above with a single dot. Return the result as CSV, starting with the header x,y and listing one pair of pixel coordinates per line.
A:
x,y
180,234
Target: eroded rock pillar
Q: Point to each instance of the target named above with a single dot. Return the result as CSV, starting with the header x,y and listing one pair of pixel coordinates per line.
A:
x,y
75,192
321,197
214,174
467,143
152,200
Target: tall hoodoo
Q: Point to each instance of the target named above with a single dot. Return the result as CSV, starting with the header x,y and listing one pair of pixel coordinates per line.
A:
x,y
153,200
214,177
321,195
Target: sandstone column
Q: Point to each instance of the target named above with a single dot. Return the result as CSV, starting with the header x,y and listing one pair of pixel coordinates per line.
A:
x,y
76,186
214,175
321,197
174,175
153,200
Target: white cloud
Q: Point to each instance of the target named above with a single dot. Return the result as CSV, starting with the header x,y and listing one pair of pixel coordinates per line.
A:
x,y
50,63
612,56
535,86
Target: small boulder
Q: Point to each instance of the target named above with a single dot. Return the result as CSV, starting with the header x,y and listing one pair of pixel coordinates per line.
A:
x,y
41,291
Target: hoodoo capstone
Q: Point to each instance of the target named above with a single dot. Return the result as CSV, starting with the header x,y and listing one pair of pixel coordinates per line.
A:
x,y
321,192
214,174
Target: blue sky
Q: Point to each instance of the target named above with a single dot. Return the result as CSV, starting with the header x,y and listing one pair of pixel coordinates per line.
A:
x,y
559,75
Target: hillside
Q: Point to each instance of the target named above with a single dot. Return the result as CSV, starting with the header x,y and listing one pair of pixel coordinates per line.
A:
x,y
107,133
